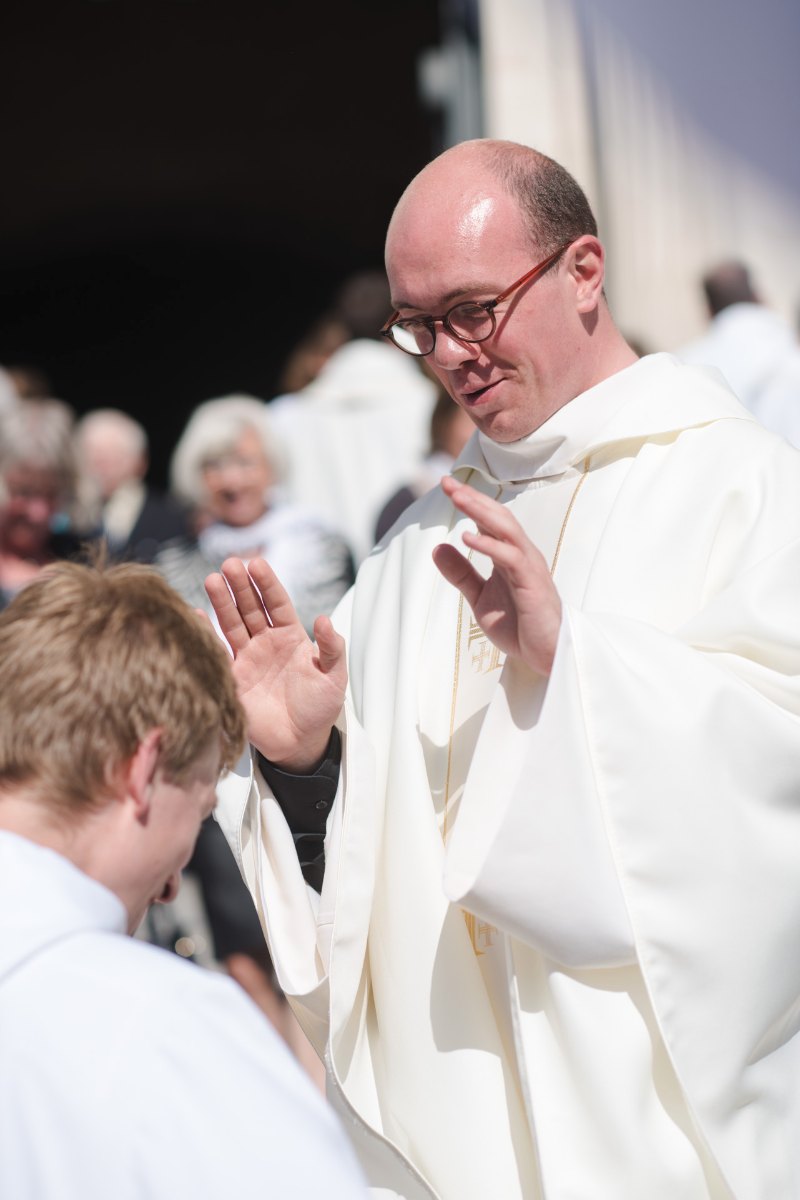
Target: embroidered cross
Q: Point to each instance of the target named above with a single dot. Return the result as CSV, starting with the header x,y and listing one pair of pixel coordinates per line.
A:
x,y
481,933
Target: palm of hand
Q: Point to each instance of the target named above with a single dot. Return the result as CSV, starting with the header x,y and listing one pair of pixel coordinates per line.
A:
x,y
292,690
286,695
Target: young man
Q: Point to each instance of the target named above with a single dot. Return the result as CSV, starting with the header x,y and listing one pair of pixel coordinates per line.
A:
x,y
125,1071
554,954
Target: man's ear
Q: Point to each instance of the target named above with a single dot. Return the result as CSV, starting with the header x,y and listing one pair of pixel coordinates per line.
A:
x,y
587,267
141,772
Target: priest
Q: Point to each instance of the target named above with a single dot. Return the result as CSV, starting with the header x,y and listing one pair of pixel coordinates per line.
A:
x,y
520,824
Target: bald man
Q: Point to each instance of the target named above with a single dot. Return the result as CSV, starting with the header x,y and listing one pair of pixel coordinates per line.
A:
x,y
542,767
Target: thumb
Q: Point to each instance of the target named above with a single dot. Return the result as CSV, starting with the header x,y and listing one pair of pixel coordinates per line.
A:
x,y
330,646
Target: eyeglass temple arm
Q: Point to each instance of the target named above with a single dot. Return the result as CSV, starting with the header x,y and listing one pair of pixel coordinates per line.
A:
x,y
537,270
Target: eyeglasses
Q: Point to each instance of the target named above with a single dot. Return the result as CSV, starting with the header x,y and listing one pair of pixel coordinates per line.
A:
x,y
231,461
470,321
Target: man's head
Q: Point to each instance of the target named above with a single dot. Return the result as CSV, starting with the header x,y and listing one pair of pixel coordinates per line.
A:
x,y
117,711
728,283
471,223
226,460
112,449
37,474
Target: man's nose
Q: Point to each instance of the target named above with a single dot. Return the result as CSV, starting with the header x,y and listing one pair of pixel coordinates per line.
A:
x,y
449,351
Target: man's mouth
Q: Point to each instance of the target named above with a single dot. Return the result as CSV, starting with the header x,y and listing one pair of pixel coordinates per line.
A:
x,y
475,395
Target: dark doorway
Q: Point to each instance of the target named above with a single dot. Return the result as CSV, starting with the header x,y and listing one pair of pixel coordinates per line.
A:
x,y
187,182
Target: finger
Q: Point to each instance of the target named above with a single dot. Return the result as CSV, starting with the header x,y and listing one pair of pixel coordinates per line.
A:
x,y
330,646
456,570
518,567
246,595
274,597
487,514
230,622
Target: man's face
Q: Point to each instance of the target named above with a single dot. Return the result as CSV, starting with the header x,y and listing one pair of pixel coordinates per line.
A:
x,y
237,482
109,460
177,812
33,497
460,241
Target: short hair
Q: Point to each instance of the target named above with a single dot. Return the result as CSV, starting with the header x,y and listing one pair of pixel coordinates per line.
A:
x,y
213,429
38,433
553,203
91,659
123,428
728,283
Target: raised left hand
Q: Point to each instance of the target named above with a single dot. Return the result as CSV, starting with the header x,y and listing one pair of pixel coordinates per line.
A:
x,y
518,606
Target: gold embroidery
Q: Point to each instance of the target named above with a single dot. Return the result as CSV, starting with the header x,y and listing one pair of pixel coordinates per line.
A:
x,y
486,658
567,515
481,933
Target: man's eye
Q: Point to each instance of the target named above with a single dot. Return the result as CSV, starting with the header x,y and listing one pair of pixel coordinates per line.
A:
x,y
413,325
469,312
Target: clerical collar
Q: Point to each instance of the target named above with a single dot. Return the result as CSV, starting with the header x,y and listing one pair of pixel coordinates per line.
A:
x,y
559,443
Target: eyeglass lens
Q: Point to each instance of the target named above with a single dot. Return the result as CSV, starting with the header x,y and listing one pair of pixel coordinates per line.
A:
x,y
470,322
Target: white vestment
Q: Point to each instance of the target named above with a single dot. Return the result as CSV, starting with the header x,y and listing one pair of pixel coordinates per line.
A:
x,y
127,1073
614,1016
355,435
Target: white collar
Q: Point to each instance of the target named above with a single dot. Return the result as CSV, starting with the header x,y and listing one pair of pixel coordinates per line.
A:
x,y
656,394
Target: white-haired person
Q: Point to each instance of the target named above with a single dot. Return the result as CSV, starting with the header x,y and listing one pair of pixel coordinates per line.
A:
x,y
227,467
126,1071
38,477
135,518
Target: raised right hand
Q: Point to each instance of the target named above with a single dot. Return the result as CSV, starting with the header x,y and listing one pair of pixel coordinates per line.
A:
x,y
292,689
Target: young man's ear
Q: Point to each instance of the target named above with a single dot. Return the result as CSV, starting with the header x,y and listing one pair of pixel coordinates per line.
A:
x,y
141,772
588,270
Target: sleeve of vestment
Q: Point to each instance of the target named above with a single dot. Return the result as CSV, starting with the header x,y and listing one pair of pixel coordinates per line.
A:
x,y
306,801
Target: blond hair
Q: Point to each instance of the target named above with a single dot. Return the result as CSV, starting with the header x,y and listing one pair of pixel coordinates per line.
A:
x,y
91,659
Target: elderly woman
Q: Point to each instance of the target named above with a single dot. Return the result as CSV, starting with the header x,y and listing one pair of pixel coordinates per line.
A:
x,y
37,489
226,467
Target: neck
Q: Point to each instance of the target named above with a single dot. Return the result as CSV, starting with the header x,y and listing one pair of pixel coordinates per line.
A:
x,y
87,839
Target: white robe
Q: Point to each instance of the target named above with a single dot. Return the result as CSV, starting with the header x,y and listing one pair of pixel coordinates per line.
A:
x,y
629,827
128,1073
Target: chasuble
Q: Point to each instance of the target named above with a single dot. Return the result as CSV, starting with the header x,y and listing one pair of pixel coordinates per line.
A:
x,y
554,956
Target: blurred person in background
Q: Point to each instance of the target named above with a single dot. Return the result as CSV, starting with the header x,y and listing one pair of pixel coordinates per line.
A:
x,y
753,347
451,428
127,1072
38,490
360,430
227,468
30,382
313,350
135,519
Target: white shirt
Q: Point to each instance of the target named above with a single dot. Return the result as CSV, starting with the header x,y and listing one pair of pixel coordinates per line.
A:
x,y
127,1073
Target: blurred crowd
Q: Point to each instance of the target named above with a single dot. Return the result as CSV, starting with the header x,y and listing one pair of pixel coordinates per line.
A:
x,y
310,480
